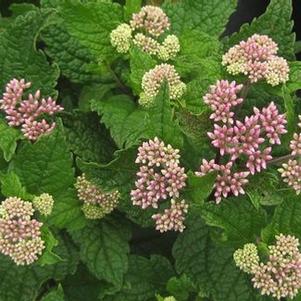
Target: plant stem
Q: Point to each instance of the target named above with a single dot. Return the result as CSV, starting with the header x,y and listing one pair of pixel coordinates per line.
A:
x,y
282,159
118,81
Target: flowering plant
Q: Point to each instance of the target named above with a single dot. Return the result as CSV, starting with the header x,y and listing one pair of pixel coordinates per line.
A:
x,y
148,154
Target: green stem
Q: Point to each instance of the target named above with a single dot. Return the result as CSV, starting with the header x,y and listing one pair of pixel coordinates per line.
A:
x,y
282,159
118,81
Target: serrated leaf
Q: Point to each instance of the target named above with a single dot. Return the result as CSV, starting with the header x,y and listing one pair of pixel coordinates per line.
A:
x,y
144,279
91,24
104,249
131,6
67,211
210,266
140,63
45,166
11,186
19,57
88,139
22,283
75,60
55,295
276,23
210,17
118,174
8,140
199,188
180,287
294,82
126,121
238,218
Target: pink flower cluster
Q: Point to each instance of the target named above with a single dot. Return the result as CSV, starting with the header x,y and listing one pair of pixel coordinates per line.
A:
x,y
291,171
160,177
234,138
280,277
257,58
152,19
20,235
28,113
97,203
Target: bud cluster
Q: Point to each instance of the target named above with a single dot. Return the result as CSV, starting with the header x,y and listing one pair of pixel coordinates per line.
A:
x,y
97,203
239,139
28,113
291,170
280,276
20,235
153,79
145,30
160,177
257,58
43,203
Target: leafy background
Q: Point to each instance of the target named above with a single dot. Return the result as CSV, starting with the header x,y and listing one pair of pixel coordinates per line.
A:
x,y
63,48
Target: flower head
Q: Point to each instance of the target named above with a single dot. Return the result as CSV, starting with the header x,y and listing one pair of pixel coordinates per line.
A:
x,y
222,97
257,159
20,236
280,277
153,79
147,44
247,258
256,57
169,48
159,176
291,174
43,203
90,194
28,113
295,144
172,218
273,122
121,38
152,19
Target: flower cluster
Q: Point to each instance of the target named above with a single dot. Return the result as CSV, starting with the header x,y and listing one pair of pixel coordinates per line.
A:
x,y
245,139
291,170
43,203
247,258
280,276
153,79
160,177
145,31
97,203
20,235
257,58
28,113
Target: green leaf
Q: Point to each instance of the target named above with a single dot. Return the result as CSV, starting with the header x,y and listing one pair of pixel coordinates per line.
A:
x,y
118,174
276,23
104,249
91,24
11,186
88,139
67,211
294,82
21,8
75,60
210,266
8,140
238,218
210,17
19,57
180,287
131,6
55,295
145,278
140,63
126,121
45,166
162,122
82,286
199,188
286,218
22,283
48,256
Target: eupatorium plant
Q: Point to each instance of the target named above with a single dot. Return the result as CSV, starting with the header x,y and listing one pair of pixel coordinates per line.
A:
x,y
147,154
